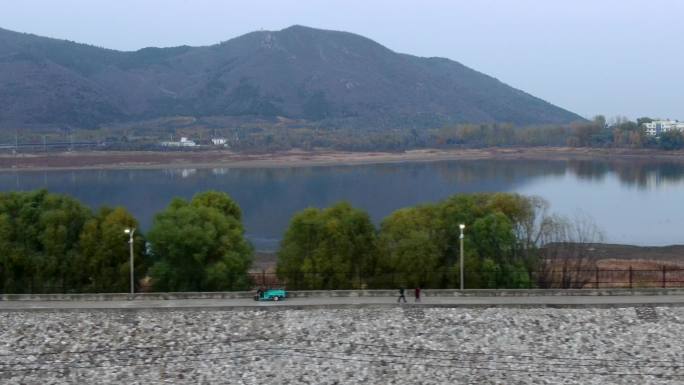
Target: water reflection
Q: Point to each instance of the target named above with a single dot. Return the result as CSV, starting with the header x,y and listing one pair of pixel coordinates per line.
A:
x,y
269,197
180,172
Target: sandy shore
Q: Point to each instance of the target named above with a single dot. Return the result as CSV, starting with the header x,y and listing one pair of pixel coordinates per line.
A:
x,y
213,158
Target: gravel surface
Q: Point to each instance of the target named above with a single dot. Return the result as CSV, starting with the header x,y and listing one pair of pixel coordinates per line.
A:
x,y
398,345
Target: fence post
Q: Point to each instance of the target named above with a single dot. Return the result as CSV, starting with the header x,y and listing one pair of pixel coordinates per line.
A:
x,y
597,277
664,281
630,276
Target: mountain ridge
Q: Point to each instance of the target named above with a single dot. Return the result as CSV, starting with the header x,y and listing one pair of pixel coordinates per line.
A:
x,y
298,72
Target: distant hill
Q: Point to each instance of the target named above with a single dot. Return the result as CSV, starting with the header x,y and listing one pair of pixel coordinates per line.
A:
x,y
298,73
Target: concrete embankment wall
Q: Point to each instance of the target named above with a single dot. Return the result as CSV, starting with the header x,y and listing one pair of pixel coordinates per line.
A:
x,y
341,293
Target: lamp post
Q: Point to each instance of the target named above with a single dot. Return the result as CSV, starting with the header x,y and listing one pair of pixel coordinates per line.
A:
x,y
462,227
130,233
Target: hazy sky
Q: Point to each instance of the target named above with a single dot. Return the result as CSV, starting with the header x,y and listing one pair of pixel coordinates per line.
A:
x,y
616,57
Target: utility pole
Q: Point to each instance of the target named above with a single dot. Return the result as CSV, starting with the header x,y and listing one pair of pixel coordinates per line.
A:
x,y
130,233
461,226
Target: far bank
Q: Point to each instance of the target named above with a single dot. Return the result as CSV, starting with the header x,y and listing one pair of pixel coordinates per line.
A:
x,y
76,160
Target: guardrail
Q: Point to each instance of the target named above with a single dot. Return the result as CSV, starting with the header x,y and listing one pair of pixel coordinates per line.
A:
x,y
343,293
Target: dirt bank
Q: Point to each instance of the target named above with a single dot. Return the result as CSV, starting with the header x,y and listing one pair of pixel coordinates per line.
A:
x,y
214,158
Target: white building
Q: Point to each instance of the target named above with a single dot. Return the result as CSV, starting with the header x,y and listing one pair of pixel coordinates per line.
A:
x,y
184,142
658,127
219,141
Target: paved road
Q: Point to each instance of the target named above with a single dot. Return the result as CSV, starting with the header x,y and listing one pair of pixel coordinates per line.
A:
x,y
533,301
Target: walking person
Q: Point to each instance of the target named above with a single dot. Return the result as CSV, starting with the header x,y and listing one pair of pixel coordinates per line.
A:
x,y
401,295
417,292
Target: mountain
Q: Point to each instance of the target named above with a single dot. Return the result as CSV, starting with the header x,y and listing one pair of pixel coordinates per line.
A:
x,y
298,73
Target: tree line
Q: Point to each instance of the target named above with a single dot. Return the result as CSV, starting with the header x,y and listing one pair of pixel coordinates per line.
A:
x,y
599,132
339,248
53,243
263,136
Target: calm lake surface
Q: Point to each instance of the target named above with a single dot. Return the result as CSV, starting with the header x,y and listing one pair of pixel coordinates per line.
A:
x,y
634,202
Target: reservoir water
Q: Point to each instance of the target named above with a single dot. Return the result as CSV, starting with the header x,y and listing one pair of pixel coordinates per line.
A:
x,y
634,202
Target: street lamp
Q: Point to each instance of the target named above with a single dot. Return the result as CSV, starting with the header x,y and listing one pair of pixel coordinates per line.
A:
x,y
462,227
130,233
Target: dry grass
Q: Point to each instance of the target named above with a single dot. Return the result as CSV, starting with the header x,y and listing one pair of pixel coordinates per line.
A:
x,y
644,273
615,273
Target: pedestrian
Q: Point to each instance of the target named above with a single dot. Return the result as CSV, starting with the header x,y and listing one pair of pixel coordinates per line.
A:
x,y
259,293
401,295
417,292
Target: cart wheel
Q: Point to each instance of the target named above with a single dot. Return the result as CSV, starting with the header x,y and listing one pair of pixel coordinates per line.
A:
x,y
276,298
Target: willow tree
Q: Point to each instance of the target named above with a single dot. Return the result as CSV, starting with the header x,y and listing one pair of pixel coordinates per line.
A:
x,y
332,248
412,247
104,251
420,245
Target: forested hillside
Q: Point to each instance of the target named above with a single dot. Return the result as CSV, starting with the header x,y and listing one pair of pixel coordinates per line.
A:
x,y
337,78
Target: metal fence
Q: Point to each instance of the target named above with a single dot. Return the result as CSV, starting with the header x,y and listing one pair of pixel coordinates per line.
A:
x,y
597,278
664,277
631,278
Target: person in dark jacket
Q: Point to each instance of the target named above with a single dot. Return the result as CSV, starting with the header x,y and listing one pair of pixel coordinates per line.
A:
x,y
417,292
401,295
259,293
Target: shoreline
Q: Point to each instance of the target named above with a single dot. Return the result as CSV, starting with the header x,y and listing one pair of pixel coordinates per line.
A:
x,y
112,160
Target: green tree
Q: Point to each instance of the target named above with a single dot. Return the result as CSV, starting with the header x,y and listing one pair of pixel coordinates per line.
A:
x,y
412,247
643,120
492,237
219,201
200,245
500,241
104,251
39,242
671,140
334,248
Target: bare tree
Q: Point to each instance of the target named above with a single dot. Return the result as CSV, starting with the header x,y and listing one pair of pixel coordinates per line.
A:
x,y
567,245
531,229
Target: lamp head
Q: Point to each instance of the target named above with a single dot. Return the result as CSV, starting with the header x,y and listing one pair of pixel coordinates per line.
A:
x,y
461,226
127,231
